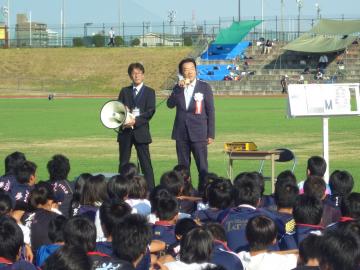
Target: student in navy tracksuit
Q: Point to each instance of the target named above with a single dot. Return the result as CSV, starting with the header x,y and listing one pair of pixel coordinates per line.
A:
x,y
220,197
285,195
247,197
11,162
111,213
307,214
316,186
167,211
309,253
350,210
221,254
341,184
12,239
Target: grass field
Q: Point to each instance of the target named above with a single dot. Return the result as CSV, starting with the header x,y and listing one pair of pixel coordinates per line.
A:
x,y
83,70
42,128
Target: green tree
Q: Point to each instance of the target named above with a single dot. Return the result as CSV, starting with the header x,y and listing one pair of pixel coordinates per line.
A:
x,y
99,40
187,41
78,42
119,41
135,42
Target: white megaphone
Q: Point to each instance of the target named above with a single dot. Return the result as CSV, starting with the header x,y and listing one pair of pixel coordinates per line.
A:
x,y
114,114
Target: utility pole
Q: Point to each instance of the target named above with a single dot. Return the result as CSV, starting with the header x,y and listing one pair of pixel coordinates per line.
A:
x,y
239,10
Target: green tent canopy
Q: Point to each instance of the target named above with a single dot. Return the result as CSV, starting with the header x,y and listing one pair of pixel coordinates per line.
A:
x,y
326,36
236,32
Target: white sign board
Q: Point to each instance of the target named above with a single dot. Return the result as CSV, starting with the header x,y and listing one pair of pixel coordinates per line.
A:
x,y
323,99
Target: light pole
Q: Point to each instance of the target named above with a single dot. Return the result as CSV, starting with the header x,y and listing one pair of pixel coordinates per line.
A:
x,y
171,19
119,11
86,28
317,6
262,18
239,10
282,20
299,5
62,23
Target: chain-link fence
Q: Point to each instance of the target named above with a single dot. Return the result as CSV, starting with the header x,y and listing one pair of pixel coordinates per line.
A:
x,y
90,34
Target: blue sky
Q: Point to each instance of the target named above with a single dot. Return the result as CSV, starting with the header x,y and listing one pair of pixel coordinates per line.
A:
x,y
107,11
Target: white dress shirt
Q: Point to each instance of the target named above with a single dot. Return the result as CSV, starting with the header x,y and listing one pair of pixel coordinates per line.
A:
x,y
188,92
138,88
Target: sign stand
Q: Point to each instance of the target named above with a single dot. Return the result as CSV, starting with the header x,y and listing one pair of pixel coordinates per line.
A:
x,y
324,100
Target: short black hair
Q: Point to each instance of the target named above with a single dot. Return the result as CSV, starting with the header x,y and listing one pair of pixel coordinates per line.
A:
x,y
350,205
68,258
184,225
6,203
24,171
11,238
137,187
316,166
217,231
309,248
196,246
111,213
131,237
172,182
129,170
95,190
186,60
133,66
339,250
58,167
341,183
80,232
315,186
40,195
285,195
260,232
118,187
184,171
307,210
285,177
56,229
247,190
220,193
12,161
167,207
157,193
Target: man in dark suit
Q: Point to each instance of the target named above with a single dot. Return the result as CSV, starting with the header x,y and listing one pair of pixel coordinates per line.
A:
x,y
140,101
194,125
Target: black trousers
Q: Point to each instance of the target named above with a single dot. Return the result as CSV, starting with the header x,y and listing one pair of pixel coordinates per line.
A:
x,y
143,154
200,153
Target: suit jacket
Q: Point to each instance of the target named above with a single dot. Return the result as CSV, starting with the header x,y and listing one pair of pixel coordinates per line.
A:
x,y
201,126
145,101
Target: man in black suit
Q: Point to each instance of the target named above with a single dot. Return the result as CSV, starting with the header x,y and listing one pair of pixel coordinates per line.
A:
x,y
140,101
194,125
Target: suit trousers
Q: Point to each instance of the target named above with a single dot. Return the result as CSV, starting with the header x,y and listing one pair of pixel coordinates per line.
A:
x,y
143,154
199,151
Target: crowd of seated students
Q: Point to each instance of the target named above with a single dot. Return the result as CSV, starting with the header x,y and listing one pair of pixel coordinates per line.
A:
x,y
117,223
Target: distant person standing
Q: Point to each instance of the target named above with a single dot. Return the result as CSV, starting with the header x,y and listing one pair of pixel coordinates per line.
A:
x,y
112,37
284,84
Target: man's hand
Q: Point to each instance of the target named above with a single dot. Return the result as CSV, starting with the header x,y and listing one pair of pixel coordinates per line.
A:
x,y
130,124
210,140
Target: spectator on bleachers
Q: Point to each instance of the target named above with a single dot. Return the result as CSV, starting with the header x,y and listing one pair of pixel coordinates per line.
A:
x,y
319,75
268,46
284,83
323,61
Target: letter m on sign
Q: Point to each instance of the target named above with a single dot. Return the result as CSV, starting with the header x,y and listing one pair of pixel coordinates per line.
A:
x,y
328,105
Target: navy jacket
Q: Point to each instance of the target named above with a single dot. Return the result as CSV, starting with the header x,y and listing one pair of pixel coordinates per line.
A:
x,y
223,256
293,239
7,181
145,101
285,223
165,232
199,127
207,215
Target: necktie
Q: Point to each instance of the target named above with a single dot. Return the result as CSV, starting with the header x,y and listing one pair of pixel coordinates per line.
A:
x,y
135,92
